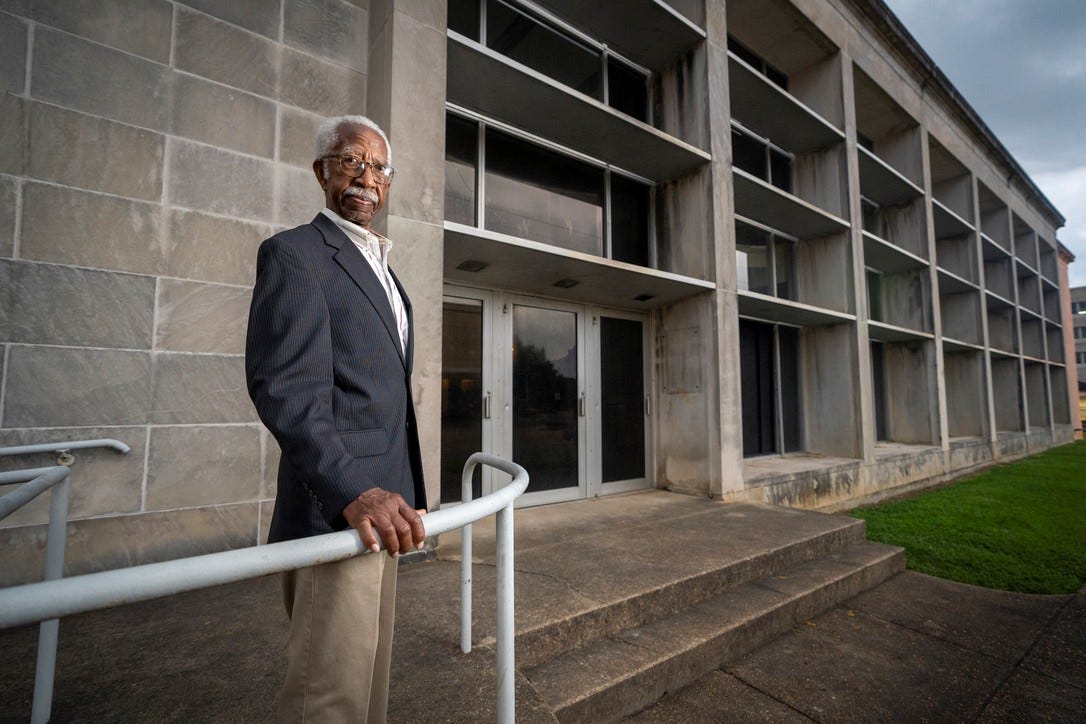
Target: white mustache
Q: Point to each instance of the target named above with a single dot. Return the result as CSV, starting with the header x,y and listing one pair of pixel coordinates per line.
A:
x,y
366,194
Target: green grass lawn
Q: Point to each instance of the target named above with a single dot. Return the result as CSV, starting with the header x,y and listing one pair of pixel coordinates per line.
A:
x,y
1017,527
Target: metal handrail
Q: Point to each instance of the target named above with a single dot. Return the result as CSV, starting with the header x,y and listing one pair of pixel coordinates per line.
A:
x,y
58,598
56,479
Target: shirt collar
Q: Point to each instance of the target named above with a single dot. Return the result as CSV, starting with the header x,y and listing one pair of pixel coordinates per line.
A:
x,y
375,242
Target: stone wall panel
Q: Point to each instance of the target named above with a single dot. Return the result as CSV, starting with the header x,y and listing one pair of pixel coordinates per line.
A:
x,y
65,386
297,136
7,216
103,544
89,229
199,388
125,161
102,481
321,87
260,16
197,317
212,248
223,116
205,178
13,40
138,26
88,77
13,125
216,50
192,466
53,304
299,196
331,29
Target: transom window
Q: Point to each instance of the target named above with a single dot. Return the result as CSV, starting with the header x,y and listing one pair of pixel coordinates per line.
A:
x,y
557,52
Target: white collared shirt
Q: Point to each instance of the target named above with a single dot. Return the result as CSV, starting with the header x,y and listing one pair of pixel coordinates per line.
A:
x,y
375,248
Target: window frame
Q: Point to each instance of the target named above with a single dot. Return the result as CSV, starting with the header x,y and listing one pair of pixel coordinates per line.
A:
x,y
775,236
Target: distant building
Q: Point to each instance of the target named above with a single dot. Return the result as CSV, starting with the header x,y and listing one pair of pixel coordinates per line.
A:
x,y
746,249
1078,330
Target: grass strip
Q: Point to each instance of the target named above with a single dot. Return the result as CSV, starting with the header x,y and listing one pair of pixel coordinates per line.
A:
x,y
1017,527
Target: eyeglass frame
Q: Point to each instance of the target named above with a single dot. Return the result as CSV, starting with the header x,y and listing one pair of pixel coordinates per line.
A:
x,y
378,176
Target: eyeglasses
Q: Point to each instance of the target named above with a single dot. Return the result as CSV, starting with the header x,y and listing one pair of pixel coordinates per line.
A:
x,y
354,167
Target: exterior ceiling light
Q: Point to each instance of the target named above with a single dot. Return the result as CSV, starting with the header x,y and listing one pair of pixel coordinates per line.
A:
x,y
566,283
471,265
644,297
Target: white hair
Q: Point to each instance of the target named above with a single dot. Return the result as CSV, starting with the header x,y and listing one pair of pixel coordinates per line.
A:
x,y
328,135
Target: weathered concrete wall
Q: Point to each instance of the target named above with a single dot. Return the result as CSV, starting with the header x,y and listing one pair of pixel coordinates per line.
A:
x,y
148,147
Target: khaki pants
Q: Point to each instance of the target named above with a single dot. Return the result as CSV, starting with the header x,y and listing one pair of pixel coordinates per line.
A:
x,y
341,620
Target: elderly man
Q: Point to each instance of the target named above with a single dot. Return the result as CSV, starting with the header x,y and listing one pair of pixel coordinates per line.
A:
x,y
328,362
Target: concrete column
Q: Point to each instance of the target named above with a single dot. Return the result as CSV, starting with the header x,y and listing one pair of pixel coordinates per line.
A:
x,y
936,307
989,399
406,96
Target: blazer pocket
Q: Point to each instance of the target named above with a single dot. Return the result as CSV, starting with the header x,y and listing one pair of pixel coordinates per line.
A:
x,y
363,443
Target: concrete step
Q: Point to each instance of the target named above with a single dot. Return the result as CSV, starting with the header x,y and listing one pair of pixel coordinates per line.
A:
x,y
550,638
629,668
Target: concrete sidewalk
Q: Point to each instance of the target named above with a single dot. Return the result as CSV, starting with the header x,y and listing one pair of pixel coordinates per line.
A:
x,y
912,648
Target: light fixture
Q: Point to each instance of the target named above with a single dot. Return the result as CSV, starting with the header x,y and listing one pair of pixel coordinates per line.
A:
x,y
644,297
566,283
471,265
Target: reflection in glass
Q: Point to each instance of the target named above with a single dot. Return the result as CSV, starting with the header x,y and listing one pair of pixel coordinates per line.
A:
x,y
461,394
461,141
526,40
545,396
627,90
629,220
622,393
536,194
751,258
783,262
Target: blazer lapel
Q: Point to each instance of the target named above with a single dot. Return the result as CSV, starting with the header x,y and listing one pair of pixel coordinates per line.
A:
x,y
351,260
410,321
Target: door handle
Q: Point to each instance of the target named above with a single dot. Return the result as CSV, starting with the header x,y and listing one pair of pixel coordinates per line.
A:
x,y
581,405
486,406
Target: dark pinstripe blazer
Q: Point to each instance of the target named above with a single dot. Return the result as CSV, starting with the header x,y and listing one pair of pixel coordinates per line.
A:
x,y
327,375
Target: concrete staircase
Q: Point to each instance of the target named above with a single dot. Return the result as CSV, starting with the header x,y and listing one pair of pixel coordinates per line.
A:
x,y
619,653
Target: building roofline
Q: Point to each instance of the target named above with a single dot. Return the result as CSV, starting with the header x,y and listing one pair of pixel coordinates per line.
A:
x,y
1067,254
931,76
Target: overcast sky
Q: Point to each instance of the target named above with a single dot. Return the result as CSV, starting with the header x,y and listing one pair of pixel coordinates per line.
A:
x,y
1022,65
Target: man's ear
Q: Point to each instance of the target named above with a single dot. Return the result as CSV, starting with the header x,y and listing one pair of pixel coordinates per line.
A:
x,y
318,171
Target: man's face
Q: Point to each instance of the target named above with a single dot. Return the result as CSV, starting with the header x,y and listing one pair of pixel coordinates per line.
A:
x,y
355,199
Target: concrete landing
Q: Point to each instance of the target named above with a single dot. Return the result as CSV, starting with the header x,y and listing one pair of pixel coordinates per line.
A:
x,y
217,655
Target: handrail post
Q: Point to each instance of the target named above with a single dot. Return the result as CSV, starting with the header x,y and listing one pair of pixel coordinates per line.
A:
x,y
504,632
465,560
49,631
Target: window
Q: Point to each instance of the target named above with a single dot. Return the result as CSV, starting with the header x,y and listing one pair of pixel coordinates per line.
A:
x,y
1080,332
872,220
878,383
761,159
757,62
1078,307
537,193
588,67
765,261
769,369
1080,358
874,295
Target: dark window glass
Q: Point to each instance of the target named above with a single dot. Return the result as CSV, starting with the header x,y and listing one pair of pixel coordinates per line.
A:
x,y
865,142
622,394
776,76
627,90
756,373
745,54
461,142
780,169
788,338
464,17
629,221
749,155
536,194
545,389
878,377
751,258
871,220
461,394
784,263
526,40
874,296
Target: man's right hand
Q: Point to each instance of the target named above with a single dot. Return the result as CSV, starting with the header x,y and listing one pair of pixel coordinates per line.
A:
x,y
377,512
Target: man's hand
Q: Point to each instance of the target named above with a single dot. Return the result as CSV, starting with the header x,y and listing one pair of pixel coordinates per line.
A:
x,y
377,512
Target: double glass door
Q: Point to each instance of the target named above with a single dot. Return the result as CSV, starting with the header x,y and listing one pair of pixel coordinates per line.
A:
x,y
559,388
